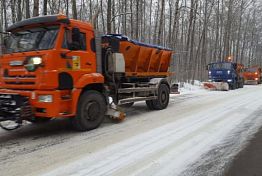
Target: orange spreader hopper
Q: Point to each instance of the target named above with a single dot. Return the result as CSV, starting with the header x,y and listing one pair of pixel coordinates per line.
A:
x,y
141,60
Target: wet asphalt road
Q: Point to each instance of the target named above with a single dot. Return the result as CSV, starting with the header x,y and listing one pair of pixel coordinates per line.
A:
x,y
249,161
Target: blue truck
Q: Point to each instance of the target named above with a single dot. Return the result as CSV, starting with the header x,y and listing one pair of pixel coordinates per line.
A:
x,y
225,75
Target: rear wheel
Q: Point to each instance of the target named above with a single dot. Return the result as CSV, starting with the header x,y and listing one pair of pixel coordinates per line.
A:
x,y
90,111
241,84
149,104
233,86
162,98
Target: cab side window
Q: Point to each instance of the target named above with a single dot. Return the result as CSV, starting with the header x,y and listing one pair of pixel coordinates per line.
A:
x,y
67,40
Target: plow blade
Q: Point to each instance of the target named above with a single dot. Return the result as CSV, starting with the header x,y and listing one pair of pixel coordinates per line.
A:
x,y
216,86
251,82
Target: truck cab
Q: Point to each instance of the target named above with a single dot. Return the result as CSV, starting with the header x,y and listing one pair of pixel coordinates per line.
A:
x,y
227,72
252,75
45,63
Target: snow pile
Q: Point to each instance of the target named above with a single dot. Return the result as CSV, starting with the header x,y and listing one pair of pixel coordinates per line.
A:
x,y
186,87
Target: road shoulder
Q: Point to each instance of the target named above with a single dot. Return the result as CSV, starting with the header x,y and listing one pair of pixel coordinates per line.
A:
x,y
248,161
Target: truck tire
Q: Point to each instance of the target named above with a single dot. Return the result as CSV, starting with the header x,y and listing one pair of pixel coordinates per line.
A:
x,y
91,110
149,104
241,84
233,86
162,98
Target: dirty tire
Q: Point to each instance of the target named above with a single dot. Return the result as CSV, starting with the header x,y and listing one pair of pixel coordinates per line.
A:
x,y
149,104
91,110
233,86
162,98
241,84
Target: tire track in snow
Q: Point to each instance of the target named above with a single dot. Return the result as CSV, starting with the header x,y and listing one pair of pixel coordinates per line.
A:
x,y
126,156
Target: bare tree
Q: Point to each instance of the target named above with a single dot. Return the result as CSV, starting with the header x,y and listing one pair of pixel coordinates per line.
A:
x,y
44,7
36,8
74,9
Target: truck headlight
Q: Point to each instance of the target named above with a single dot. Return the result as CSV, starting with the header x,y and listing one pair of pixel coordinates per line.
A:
x,y
209,72
45,98
229,80
228,72
32,63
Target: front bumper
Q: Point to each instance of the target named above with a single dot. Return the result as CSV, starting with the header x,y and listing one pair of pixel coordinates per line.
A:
x,y
59,107
251,81
229,80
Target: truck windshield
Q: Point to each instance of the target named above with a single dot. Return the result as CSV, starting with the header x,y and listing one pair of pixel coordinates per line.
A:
x,y
40,38
220,66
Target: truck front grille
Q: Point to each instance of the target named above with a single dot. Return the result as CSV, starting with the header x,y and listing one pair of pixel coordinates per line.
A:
x,y
18,79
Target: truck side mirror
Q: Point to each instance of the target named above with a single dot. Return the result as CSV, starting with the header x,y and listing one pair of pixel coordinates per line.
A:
x,y
75,45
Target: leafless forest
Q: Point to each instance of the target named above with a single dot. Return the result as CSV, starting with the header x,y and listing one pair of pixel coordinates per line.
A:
x,y
199,31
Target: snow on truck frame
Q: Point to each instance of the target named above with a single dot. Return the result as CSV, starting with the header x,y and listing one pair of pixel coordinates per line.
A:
x,y
53,66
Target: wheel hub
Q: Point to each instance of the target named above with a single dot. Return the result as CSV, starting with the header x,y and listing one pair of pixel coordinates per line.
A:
x,y
163,97
92,111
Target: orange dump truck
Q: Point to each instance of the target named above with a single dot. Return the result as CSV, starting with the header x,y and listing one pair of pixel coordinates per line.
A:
x,y
252,75
55,67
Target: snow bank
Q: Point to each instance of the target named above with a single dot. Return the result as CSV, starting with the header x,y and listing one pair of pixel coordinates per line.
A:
x,y
185,87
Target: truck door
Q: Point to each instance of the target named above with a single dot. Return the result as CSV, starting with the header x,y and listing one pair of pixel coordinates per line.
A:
x,y
80,59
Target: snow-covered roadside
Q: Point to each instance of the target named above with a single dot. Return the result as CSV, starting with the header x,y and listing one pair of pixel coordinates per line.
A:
x,y
171,148
187,88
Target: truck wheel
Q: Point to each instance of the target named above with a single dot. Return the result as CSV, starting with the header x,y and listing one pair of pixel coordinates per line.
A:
x,y
149,104
237,85
162,99
91,110
242,84
233,86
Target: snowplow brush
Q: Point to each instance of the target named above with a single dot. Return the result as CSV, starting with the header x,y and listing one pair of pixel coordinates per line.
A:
x,y
221,86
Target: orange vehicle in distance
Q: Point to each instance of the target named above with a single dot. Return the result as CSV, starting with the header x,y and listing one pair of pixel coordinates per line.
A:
x,y
252,75
56,67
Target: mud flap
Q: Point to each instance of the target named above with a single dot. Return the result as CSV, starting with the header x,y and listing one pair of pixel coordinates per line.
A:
x,y
174,89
